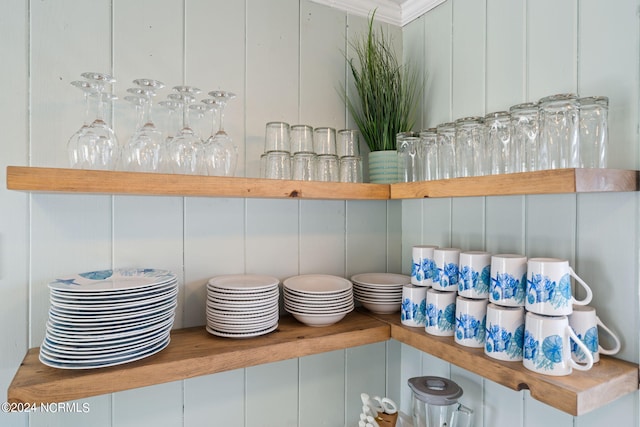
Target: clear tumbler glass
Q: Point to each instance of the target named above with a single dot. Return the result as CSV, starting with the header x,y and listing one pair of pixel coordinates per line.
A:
x,y
594,132
470,147
524,133
498,130
408,166
428,154
446,150
559,132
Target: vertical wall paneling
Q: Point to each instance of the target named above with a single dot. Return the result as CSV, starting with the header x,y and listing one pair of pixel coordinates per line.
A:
x,y
438,43
215,399
468,58
552,54
214,245
97,408
322,390
505,224
272,395
551,226
159,405
411,367
413,54
411,230
506,53
322,237
472,384
436,222
14,225
467,223
365,373
394,236
537,414
366,248
272,65
502,407
215,60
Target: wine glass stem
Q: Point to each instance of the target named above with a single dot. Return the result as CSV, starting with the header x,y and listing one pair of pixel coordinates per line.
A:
x,y
221,129
185,115
87,108
146,112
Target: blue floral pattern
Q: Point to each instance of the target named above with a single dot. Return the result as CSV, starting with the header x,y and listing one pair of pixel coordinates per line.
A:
x,y
468,327
468,278
544,356
499,340
441,319
412,311
423,269
504,286
447,276
590,339
540,289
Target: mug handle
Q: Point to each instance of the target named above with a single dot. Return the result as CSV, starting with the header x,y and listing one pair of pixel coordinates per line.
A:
x,y
579,366
586,287
616,348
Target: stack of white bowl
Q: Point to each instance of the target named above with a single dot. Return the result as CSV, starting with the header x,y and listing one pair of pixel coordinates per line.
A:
x,y
318,299
379,293
109,317
242,305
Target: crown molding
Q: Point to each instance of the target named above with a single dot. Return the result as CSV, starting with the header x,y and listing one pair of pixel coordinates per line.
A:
x,y
396,12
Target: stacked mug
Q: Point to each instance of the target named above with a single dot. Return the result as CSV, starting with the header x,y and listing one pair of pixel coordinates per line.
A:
x,y
413,307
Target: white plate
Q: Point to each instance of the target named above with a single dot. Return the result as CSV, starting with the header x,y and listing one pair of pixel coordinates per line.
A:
x,y
240,324
247,302
317,284
244,296
241,335
226,327
377,279
89,298
113,319
100,348
245,282
63,364
109,337
113,313
307,309
108,281
244,318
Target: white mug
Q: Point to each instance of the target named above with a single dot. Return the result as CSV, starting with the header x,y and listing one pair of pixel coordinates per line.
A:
x,y
508,277
471,317
446,277
440,312
423,267
584,323
504,332
547,346
474,274
549,287
412,309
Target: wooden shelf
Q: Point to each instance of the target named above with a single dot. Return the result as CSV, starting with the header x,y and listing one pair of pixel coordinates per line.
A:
x,y
56,180
192,352
575,394
540,182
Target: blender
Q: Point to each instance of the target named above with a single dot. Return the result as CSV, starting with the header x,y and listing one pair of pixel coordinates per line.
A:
x,y
435,403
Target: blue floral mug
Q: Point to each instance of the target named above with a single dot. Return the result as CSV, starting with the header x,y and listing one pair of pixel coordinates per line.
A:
x,y
471,315
508,277
474,275
504,335
547,346
586,324
446,275
413,307
440,313
423,267
548,289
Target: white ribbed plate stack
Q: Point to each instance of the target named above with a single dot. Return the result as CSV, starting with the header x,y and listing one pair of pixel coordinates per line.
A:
x,y
318,299
109,317
380,293
242,305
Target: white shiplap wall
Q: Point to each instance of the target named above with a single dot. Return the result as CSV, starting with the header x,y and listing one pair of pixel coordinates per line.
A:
x,y
284,59
484,56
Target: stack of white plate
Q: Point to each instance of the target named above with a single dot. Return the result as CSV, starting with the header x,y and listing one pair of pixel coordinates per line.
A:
x,y
109,317
380,293
318,299
242,306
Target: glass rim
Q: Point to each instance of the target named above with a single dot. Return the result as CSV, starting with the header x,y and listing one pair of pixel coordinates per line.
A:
x,y
524,106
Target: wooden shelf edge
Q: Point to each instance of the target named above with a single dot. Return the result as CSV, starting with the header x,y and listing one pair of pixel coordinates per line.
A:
x,y
576,394
60,180
192,352
555,181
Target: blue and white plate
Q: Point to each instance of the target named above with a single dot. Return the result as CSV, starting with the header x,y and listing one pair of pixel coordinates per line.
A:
x,y
113,281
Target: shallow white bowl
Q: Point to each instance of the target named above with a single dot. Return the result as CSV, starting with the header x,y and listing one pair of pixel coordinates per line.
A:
x,y
317,284
381,308
319,320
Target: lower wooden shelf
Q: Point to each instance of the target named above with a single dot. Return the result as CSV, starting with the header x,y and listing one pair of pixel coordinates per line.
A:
x,y
576,394
192,352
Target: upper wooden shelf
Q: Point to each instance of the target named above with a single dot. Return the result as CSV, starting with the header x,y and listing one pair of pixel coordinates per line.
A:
x,y
192,352
576,394
58,180
540,182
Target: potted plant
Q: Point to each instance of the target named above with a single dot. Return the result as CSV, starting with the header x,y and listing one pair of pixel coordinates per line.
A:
x,y
385,101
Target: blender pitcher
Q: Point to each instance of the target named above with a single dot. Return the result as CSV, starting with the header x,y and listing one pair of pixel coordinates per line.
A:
x,y
435,403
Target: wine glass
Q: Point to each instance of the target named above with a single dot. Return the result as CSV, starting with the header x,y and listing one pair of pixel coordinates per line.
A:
x,y
99,141
78,157
228,151
212,154
145,147
184,148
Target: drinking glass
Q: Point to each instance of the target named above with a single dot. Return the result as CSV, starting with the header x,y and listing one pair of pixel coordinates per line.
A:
x,y
446,133
408,165
301,139
78,155
278,165
348,143
304,166
594,132
498,130
350,169
429,154
524,125
470,147
228,150
327,168
324,141
559,132
277,137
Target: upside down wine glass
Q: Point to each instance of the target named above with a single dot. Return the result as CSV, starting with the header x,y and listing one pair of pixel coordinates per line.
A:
x,y
184,149
78,155
226,149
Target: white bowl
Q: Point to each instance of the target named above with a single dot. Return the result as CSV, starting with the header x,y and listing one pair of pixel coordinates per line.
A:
x,y
381,279
381,308
317,284
319,320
